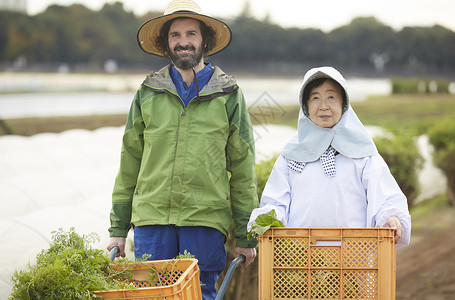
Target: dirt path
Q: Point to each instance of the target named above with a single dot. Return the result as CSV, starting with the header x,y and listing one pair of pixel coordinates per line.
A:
x,y
426,269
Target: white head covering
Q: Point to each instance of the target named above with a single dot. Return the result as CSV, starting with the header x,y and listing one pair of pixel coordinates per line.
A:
x,y
349,137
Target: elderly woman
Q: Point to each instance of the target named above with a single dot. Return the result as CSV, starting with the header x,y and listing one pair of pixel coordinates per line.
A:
x,y
330,174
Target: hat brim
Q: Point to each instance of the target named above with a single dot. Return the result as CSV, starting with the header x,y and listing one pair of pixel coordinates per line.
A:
x,y
150,30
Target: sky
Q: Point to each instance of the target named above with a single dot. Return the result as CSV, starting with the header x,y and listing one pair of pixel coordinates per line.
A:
x,y
300,13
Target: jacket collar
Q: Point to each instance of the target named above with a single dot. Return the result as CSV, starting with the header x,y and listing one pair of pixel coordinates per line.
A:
x,y
220,82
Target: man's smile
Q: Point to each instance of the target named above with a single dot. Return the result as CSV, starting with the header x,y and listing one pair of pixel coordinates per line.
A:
x,y
188,49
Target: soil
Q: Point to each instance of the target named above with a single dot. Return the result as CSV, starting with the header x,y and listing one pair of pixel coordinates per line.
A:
x,y
426,268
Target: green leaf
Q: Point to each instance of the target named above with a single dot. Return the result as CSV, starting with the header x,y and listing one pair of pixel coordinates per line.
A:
x,y
263,223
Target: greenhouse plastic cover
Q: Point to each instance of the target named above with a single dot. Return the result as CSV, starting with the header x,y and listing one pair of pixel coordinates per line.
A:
x,y
51,181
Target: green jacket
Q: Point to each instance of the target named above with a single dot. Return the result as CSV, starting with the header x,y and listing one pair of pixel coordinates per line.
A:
x,y
190,166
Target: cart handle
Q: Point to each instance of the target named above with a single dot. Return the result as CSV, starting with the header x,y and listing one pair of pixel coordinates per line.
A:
x,y
113,252
227,278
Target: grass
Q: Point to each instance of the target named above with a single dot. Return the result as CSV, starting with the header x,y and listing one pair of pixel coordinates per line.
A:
x,y
398,113
431,215
283,115
435,204
31,126
410,113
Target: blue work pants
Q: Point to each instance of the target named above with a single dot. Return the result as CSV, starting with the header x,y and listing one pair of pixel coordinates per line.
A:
x,y
167,241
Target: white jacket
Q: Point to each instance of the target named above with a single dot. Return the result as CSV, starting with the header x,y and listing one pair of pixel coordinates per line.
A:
x,y
362,194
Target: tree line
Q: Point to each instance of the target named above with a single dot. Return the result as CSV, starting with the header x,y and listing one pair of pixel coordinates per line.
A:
x,y
78,36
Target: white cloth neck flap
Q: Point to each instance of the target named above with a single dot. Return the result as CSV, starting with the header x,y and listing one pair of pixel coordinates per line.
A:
x,y
349,137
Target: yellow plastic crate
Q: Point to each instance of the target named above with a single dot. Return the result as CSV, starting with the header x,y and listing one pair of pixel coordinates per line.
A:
x,y
327,263
178,279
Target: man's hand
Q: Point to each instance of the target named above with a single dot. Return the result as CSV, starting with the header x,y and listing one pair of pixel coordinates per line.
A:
x,y
250,254
394,222
120,242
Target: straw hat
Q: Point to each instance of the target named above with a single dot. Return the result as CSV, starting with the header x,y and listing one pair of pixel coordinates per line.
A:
x,y
150,30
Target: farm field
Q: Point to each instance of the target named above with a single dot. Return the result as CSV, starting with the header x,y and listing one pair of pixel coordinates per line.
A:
x,y
425,269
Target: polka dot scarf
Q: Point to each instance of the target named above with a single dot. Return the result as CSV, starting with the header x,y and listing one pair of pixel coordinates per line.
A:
x,y
327,161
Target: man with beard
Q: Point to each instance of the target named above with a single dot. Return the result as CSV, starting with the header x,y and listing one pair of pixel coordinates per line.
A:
x,y
187,169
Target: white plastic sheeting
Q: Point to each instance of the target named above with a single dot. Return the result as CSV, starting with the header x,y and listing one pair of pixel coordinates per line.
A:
x,y
51,181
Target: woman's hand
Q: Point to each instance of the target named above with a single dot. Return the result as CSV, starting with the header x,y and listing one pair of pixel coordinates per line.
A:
x,y
395,223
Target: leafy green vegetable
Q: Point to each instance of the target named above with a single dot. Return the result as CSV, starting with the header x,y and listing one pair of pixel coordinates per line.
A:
x,y
69,269
263,223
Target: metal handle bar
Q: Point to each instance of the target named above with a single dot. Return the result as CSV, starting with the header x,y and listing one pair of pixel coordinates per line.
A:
x,y
113,252
230,272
